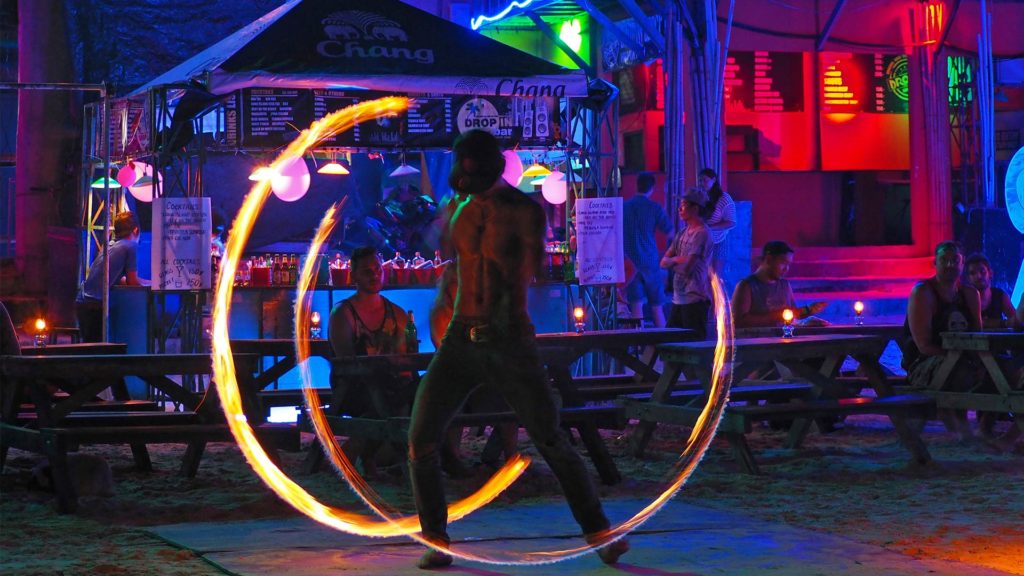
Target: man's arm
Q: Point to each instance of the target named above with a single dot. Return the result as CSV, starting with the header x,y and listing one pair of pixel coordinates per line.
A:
x,y
402,320
340,331
1006,306
973,299
920,309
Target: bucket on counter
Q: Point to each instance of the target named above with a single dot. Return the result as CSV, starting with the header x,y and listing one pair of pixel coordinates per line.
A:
x,y
341,276
260,276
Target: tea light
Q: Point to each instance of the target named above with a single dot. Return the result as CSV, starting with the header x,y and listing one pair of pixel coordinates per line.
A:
x,y
314,328
858,307
40,337
577,313
787,323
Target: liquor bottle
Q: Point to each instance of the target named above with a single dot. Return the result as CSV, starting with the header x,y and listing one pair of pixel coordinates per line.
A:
x,y
398,262
293,270
275,271
412,340
418,261
437,258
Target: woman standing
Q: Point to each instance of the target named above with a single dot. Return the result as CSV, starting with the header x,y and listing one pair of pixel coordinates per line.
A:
x,y
719,215
687,259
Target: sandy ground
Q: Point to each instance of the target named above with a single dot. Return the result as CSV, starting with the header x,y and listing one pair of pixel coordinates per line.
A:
x,y
856,482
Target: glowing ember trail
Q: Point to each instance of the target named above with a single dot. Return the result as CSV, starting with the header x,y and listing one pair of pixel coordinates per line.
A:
x,y
295,495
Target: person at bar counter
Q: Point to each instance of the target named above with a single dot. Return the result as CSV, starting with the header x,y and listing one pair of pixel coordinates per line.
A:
x,y
641,218
760,298
939,304
687,259
996,308
123,254
368,324
498,236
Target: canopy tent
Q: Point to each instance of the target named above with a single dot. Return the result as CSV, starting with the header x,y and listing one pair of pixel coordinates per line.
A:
x,y
385,45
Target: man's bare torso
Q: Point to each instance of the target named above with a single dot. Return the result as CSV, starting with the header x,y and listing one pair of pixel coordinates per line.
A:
x,y
498,238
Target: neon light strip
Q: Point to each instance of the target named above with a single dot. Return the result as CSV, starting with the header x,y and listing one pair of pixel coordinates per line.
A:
x,y
479,21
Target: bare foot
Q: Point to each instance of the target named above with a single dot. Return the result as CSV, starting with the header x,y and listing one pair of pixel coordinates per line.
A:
x,y
610,554
434,559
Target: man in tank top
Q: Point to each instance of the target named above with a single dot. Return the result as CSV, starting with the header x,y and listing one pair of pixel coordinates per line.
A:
x,y
996,307
941,304
368,324
760,298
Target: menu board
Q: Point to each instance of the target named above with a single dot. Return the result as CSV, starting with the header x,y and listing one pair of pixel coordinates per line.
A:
x,y
875,83
599,250
328,101
765,81
273,117
181,244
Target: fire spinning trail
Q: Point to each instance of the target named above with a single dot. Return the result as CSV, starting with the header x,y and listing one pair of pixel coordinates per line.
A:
x,y
391,524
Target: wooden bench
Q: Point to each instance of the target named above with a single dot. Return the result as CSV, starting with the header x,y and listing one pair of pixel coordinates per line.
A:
x,y
60,424
584,419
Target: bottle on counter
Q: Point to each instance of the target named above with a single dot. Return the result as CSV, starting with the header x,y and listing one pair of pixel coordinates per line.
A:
x,y
412,340
293,270
418,261
398,261
437,258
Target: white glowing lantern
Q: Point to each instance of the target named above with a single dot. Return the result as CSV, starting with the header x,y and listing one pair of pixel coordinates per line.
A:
x,y
142,187
513,168
553,188
126,176
291,181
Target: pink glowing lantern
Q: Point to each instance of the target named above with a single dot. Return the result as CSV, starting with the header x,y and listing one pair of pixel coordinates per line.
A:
x,y
127,176
513,168
291,181
142,188
553,188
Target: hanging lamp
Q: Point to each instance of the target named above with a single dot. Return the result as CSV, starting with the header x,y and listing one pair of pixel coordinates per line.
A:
x,y
404,169
333,168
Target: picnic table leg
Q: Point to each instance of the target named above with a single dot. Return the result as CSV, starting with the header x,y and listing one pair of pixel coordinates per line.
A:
x,y
908,436
315,456
645,428
190,463
57,455
599,453
741,450
140,454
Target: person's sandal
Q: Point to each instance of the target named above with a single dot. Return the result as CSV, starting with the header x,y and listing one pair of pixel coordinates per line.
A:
x,y
611,553
434,559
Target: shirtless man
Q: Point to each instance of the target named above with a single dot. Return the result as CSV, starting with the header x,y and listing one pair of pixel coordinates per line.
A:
x,y
498,236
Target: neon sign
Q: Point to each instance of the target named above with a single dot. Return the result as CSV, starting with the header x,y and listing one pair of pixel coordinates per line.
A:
x,y
479,21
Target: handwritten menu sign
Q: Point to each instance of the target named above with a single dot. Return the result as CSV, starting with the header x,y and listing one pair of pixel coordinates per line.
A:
x,y
599,241
181,243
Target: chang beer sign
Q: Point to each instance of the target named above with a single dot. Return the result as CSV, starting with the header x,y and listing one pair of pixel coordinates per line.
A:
x,y
363,35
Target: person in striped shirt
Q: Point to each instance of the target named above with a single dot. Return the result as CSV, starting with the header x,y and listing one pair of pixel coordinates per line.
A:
x,y
719,214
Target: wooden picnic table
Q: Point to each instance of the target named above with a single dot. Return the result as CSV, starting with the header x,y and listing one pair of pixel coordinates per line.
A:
x,y
1008,395
886,331
558,352
76,349
827,395
60,422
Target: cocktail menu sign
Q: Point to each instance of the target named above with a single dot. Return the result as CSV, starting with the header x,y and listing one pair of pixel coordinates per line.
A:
x,y
181,243
599,241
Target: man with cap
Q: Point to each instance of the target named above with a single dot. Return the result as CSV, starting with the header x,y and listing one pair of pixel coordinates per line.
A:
x,y
760,298
687,259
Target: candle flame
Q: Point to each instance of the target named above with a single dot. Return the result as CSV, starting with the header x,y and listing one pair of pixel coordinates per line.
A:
x,y
577,313
40,325
787,315
858,306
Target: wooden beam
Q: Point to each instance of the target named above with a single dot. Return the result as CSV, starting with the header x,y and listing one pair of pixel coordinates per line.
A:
x,y
830,24
612,27
641,19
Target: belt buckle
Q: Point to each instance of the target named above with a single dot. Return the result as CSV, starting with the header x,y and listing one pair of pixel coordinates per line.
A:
x,y
476,335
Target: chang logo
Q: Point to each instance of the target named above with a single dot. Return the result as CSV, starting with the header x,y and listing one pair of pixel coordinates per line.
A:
x,y
896,77
357,34
472,86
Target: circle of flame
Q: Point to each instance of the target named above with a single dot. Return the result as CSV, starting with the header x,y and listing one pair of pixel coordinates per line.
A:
x,y
230,396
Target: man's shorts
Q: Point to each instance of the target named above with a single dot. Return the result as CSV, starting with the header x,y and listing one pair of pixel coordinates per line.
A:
x,y
649,285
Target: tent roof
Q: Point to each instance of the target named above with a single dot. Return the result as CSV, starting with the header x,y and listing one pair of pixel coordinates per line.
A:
x,y
379,45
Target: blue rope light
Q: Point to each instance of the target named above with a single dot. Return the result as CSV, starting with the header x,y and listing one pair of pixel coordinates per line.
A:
x,y
477,22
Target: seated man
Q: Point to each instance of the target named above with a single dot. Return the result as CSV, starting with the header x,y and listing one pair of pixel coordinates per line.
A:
x,y
367,324
996,308
760,298
941,304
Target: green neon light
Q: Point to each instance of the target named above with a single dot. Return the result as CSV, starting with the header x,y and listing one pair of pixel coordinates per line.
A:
x,y
571,33
479,21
